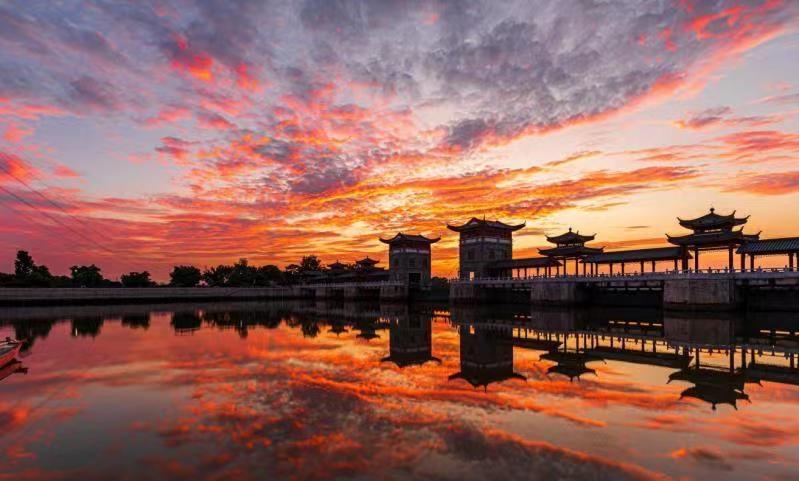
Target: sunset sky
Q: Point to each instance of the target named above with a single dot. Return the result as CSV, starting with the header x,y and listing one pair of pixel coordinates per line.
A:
x,y
143,134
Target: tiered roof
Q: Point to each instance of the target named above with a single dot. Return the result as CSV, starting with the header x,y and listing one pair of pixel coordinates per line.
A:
x,y
401,237
713,221
475,223
570,238
713,238
713,230
337,266
570,244
367,262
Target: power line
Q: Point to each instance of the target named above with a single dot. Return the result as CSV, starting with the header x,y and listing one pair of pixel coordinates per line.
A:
x,y
50,201
86,240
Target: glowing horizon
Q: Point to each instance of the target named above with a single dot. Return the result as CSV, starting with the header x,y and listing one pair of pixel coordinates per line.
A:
x,y
142,135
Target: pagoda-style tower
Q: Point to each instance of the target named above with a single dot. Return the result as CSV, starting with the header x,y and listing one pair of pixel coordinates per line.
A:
x,y
483,242
570,245
712,232
409,259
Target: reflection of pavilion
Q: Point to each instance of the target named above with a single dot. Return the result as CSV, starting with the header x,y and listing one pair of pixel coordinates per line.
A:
x,y
367,330
410,341
484,358
712,386
337,327
570,364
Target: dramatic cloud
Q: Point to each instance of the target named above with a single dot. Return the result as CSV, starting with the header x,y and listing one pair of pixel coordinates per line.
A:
x,y
779,183
260,129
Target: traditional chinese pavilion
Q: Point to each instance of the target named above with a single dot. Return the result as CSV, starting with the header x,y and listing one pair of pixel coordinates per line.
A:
x,y
409,259
570,245
483,242
366,264
712,232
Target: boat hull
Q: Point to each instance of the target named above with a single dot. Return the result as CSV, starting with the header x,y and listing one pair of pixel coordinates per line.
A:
x,y
8,355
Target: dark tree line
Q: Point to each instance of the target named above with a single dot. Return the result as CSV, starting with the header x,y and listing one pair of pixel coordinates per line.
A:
x,y
28,274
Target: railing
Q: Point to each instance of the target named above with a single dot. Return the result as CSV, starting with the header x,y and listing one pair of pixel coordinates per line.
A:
x,y
343,285
760,273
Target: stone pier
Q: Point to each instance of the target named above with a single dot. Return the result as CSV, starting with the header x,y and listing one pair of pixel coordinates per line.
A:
x,y
558,293
701,294
466,293
356,293
393,293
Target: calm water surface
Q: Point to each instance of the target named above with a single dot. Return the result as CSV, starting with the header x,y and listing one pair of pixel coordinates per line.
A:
x,y
331,391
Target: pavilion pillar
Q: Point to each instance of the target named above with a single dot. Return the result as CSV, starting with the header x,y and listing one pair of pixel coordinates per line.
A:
x,y
751,262
653,266
585,266
743,262
685,258
611,268
642,267
622,268
675,264
696,259
731,262
790,260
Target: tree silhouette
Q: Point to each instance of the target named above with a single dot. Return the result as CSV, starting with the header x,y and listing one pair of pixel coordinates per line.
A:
x,y
310,263
27,273
86,276
24,265
137,279
217,276
185,276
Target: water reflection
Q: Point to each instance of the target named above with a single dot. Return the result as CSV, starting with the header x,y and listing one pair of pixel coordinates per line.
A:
x,y
410,336
224,389
486,356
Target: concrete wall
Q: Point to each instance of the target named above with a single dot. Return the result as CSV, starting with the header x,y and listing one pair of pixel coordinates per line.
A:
x,y
466,293
404,261
701,294
361,293
484,252
42,296
394,293
775,299
549,293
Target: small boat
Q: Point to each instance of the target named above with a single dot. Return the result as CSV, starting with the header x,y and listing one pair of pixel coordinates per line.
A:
x,y
8,350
